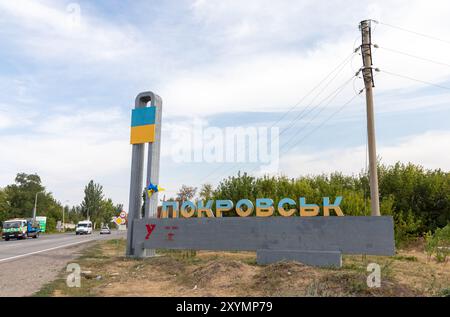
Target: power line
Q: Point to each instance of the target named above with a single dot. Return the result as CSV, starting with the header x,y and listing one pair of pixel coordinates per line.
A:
x,y
336,93
415,79
431,37
301,116
343,63
411,55
317,128
323,122
333,95
338,69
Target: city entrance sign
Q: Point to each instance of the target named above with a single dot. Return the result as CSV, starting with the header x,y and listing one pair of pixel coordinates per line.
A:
x,y
297,234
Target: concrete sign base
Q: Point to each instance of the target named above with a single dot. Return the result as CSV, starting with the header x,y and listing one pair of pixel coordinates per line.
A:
x,y
318,241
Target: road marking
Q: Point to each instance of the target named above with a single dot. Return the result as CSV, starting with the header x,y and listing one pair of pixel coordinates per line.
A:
x,y
41,242
46,250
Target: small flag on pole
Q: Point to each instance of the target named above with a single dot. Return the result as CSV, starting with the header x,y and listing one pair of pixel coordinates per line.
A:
x,y
151,189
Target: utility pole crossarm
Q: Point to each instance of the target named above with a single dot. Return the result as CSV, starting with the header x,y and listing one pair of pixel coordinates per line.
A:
x,y
366,52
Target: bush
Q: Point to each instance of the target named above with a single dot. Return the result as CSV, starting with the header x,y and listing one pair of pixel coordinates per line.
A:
x,y
445,292
405,226
51,225
438,244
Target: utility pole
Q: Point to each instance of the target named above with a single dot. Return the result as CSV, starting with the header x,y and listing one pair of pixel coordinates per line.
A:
x,y
366,51
63,215
35,205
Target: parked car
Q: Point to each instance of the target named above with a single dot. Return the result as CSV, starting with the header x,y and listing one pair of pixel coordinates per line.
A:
x,y
105,230
84,227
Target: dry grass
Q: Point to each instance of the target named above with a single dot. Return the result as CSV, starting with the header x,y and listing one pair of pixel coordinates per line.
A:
x,y
173,273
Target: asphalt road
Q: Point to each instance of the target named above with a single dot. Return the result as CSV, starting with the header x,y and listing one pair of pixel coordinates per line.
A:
x,y
27,265
14,250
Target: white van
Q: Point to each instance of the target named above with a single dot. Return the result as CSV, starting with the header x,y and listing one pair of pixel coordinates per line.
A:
x,y
84,227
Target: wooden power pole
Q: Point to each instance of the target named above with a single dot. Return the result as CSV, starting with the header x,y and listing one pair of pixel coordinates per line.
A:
x,y
366,51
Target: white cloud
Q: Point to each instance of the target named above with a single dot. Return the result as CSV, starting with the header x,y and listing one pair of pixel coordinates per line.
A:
x,y
429,149
15,117
5,121
85,122
261,83
49,30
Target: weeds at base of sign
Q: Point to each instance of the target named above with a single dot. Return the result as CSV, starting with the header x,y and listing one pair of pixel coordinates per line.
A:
x,y
406,258
183,254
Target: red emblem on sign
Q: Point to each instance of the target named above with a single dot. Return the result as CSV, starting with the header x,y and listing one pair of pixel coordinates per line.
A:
x,y
149,230
170,235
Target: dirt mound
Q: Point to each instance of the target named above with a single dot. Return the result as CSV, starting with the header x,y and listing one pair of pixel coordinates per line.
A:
x,y
284,278
355,284
167,264
286,266
220,273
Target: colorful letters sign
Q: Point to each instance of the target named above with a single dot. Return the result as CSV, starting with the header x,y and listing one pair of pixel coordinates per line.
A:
x,y
245,208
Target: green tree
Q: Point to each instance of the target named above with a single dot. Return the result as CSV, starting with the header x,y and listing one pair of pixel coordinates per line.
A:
x,y
4,206
92,202
186,193
74,214
21,195
206,192
107,211
17,200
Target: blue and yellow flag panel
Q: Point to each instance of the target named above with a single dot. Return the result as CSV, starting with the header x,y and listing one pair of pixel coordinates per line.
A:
x,y
143,125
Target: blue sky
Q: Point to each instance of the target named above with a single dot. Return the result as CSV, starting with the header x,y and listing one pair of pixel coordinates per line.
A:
x,y
68,83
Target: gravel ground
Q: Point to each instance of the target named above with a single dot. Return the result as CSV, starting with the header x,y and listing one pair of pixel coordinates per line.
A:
x,y
25,276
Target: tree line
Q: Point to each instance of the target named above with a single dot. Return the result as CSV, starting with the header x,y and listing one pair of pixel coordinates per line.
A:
x,y
17,201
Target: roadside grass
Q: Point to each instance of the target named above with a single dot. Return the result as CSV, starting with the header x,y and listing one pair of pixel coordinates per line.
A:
x,y
107,272
406,258
92,260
